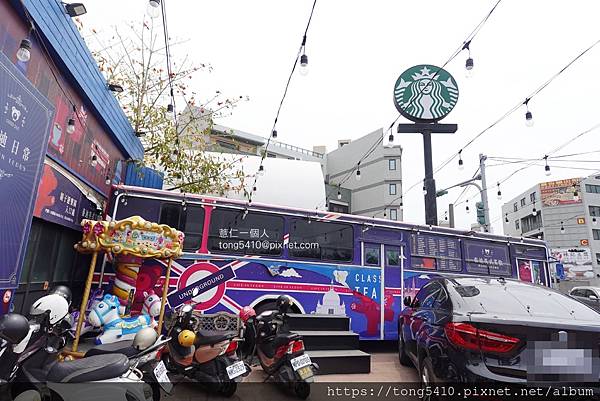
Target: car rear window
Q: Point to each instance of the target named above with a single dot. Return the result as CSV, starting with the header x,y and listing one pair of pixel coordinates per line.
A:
x,y
500,297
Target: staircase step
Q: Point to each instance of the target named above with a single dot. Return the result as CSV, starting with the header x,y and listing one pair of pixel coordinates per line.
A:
x,y
297,321
329,340
341,361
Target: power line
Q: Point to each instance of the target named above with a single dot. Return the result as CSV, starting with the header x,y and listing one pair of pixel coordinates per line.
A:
x,y
260,167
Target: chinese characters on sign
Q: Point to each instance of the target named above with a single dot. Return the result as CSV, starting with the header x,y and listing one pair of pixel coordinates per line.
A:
x,y
487,258
25,117
253,233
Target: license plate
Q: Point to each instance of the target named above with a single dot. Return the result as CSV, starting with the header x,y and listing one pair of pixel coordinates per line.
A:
x,y
235,370
300,362
305,372
160,372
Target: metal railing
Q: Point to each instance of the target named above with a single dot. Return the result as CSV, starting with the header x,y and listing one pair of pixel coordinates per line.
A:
x,y
298,149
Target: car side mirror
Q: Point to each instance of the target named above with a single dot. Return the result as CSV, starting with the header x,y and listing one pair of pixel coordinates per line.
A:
x,y
407,301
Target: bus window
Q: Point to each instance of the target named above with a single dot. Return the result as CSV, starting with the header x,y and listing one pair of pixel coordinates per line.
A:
x,y
392,256
321,240
253,234
372,254
190,221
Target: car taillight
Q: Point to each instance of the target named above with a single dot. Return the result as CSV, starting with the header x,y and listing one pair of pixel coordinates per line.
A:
x,y
467,336
231,348
296,346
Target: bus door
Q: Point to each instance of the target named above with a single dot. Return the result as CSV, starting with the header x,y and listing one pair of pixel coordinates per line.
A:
x,y
382,286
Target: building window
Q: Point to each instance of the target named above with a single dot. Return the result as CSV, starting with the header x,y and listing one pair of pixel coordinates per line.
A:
x,y
392,189
593,189
532,197
531,222
227,145
523,202
515,207
273,155
596,234
337,208
594,210
393,214
392,164
517,225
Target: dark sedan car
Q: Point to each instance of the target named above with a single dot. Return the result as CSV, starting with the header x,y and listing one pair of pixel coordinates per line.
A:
x,y
474,329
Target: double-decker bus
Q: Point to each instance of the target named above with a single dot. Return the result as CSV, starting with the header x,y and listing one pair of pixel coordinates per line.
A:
x,y
328,263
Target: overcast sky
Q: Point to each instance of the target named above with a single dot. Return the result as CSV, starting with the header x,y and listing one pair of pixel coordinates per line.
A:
x,y
356,51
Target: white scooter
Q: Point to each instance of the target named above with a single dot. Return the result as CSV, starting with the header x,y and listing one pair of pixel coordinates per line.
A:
x,y
37,374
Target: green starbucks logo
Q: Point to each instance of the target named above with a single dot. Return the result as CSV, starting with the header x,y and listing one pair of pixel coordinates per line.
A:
x,y
425,93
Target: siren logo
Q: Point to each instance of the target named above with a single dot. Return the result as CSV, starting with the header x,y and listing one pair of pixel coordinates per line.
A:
x,y
425,93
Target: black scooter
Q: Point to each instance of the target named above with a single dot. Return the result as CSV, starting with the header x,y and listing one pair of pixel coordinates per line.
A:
x,y
280,352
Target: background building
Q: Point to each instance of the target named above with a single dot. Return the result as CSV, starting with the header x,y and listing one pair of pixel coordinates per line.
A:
x,y
378,192
565,214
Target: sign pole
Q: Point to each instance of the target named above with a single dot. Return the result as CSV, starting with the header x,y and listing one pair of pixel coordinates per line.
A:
x,y
430,198
164,296
84,301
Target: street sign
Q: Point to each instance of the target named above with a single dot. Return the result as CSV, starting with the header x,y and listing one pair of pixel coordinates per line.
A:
x,y
425,93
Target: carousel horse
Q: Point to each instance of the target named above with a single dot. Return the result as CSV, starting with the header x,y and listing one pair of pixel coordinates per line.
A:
x,y
95,297
152,304
116,328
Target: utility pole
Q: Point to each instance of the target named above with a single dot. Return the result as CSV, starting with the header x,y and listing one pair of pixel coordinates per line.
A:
x,y
451,214
484,194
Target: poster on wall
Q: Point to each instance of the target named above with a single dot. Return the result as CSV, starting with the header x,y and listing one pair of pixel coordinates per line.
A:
x,y
25,120
60,201
577,262
561,192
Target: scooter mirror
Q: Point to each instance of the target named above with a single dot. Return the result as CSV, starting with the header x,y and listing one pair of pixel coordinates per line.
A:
x,y
187,309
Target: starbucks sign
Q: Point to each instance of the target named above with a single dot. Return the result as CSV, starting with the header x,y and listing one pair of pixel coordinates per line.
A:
x,y
425,93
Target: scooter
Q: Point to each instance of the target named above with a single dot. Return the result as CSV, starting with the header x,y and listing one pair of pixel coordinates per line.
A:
x,y
37,374
207,357
280,353
144,353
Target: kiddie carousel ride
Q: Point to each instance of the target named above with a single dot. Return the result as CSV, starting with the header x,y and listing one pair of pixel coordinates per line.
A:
x,y
130,241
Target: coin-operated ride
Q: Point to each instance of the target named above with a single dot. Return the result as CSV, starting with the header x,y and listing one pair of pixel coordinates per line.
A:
x,y
132,239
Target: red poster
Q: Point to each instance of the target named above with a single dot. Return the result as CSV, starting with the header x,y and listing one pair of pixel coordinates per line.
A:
x,y
525,273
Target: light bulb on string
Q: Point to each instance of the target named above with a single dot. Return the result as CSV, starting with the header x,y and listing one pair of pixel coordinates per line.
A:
x,y
467,209
461,165
594,221
391,140
534,212
304,65
358,177
575,195
424,190
528,114
469,62
499,196
70,126
562,228
107,180
339,194
153,8
24,52
261,170
274,134
506,218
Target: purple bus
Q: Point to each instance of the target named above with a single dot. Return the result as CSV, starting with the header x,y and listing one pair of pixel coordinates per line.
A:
x,y
328,263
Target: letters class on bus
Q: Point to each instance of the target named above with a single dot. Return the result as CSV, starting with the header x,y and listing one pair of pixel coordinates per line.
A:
x,y
328,263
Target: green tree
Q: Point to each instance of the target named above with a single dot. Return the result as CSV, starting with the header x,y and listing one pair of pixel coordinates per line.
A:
x,y
135,58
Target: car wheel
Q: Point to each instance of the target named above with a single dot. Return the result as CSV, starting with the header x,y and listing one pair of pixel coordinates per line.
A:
x,y
402,355
427,379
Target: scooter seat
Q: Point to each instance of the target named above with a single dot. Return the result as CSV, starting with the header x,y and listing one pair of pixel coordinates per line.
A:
x,y
94,368
120,347
207,337
270,347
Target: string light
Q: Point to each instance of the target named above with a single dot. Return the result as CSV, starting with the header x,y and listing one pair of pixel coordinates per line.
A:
x,y
594,221
274,134
304,58
24,52
384,213
391,140
261,169
94,160
546,167
469,62
562,228
534,211
358,171
499,196
528,114
339,193
506,218
575,195
467,207
153,9
461,165
424,190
